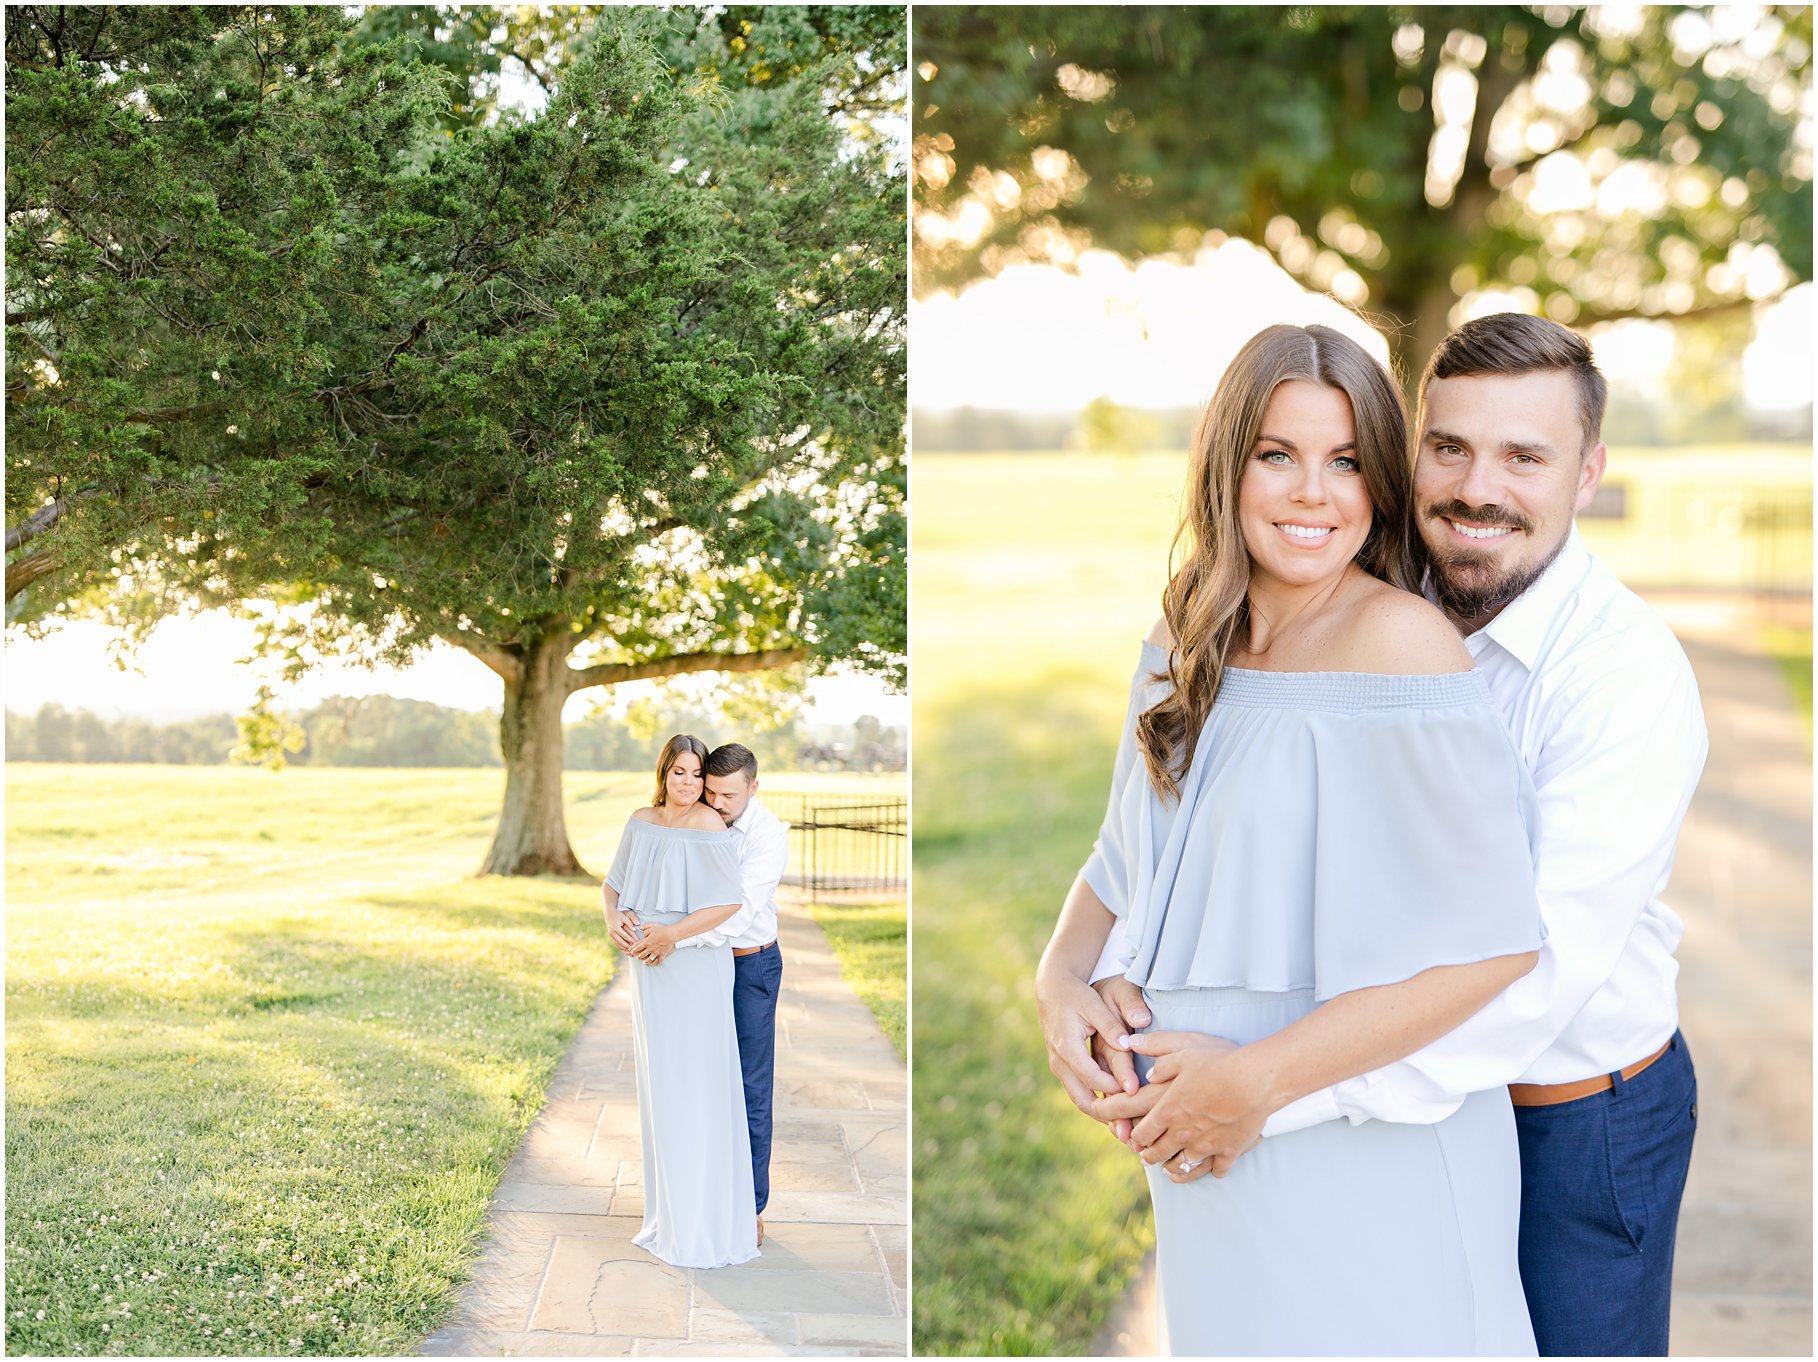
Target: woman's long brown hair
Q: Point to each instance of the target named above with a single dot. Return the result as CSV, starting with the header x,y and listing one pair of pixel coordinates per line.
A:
x,y
680,743
1206,604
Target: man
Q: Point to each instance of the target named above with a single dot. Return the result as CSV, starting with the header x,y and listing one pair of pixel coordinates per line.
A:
x,y
761,841
1602,705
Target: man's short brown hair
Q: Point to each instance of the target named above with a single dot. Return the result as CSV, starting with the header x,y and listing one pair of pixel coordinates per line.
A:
x,y
1515,343
728,758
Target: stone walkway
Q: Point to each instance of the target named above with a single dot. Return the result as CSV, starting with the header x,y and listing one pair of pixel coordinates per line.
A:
x,y
560,1276
1742,1277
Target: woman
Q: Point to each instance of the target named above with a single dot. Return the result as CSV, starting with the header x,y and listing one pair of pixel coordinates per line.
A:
x,y
1323,857
674,880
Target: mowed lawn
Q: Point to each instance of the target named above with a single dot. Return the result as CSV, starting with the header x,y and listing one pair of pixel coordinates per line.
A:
x,y
270,1045
1035,579
871,941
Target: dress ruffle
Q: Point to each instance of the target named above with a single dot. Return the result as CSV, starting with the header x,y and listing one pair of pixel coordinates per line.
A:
x,y
1338,830
673,870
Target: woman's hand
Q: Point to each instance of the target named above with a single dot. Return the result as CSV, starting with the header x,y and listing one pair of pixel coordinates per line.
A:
x,y
1072,1014
655,946
1194,1100
622,928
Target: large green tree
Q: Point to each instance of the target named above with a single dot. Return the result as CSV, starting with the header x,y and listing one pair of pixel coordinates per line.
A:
x,y
1601,164
860,52
607,389
193,199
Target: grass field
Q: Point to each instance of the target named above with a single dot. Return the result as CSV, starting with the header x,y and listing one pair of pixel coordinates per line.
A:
x,y
872,943
1035,578
269,1046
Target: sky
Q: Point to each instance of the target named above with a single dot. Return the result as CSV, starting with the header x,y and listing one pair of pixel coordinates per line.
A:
x,y
194,666
1158,334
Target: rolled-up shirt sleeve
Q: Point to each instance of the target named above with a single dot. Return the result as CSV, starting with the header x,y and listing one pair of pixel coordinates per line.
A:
x,y
1613,781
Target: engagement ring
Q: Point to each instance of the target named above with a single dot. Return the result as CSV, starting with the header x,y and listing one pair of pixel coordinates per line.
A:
x,y
1188,1165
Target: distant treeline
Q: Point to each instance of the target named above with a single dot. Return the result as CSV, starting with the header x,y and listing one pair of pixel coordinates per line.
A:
x,y
382,730
1105,427
374,730
981,429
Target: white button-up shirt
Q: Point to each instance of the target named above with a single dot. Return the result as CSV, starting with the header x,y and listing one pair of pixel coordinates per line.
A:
x,y
1602,705
761,840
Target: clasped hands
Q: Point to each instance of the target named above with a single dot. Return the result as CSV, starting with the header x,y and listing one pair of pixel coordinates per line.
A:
x,y
1206,1098
655,946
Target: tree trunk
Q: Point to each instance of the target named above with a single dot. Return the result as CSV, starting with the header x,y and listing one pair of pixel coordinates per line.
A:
x,y
1432,324
532,837
1418,302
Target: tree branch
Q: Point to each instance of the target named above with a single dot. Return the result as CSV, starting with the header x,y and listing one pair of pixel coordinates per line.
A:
x,y
530,66
1572,143
1596,317
507,666
156,416
416,334
23,571
607,673
40,520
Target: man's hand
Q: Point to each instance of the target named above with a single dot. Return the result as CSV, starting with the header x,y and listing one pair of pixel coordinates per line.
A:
x,y
1072,1014
655,946
1126,1000
1206,1101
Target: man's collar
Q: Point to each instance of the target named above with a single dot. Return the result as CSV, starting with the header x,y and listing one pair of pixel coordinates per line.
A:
x,y
1521,627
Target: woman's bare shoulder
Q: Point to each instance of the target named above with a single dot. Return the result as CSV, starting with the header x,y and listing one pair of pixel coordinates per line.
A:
x,y
1161,635
703,819
1396,633
644,814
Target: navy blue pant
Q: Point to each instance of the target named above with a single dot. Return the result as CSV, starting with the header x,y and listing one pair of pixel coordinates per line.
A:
x,y
755,982
1601,1180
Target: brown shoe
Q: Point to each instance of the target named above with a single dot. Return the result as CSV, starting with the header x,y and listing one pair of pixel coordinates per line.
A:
x,y
760,1231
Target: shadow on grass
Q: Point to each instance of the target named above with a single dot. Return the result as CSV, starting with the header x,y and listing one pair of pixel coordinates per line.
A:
x,y
1029,1218
293,1153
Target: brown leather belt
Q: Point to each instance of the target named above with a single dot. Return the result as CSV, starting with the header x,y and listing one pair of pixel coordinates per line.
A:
x,y
1551,1094
753,950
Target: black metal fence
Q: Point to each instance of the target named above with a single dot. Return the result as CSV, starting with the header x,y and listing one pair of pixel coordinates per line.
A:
x,y
846,843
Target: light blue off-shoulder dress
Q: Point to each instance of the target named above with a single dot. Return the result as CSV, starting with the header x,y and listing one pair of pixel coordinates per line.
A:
x,y
1336,830
691,1099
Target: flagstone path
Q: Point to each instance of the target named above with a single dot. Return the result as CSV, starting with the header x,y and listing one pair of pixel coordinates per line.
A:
x,y
559,1274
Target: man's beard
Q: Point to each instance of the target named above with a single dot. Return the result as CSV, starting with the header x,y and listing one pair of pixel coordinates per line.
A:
x,y
1468,586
